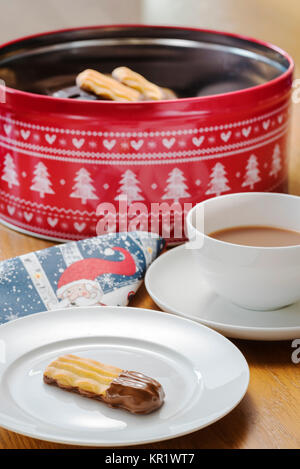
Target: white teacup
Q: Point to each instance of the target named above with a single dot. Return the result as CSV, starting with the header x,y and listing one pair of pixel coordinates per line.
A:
x,y
260,278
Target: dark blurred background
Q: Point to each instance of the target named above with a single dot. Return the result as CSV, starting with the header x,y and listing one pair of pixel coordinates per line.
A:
x,y
272,20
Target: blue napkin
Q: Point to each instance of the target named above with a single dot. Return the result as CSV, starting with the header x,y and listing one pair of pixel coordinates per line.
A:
x,y
105,270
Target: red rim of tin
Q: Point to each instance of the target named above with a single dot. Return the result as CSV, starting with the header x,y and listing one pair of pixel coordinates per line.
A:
x,y
257,94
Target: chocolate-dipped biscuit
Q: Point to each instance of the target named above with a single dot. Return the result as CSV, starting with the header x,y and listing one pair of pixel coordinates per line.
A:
x,y
130,390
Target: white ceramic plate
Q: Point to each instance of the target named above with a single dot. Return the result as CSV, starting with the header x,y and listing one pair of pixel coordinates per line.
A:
x,y
175,285
203,374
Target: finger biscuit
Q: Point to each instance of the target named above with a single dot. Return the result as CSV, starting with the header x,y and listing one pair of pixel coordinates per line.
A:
x,y
129,390
105,86
169,94
134,80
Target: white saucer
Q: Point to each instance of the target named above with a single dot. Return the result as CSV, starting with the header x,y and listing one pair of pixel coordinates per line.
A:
x,y
175,285
203,374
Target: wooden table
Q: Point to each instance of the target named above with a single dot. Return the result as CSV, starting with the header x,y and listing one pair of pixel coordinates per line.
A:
x,y
268,416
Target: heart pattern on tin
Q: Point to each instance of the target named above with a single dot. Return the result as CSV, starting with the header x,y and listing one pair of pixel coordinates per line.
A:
x,y
50,138
11,210
266,124
136,144
7,129
109,144
225,136
168,142
246,131
197,141
28,216
79,226
52,221
78,142
25,134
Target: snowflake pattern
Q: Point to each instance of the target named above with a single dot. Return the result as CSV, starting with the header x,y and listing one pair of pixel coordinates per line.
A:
x,y
7,270
92,245
107,280
44,254
11,316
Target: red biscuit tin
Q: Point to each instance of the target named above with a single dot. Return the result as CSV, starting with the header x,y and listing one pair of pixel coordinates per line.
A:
x,y
61,158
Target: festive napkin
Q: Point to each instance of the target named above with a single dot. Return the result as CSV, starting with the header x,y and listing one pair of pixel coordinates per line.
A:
x,y
106,270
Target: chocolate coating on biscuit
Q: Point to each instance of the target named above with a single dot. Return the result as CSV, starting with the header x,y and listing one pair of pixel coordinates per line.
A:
x,y
135,392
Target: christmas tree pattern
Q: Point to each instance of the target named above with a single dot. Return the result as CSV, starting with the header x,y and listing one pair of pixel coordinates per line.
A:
x,y
276,162
9,172
176,188
41,181
218,180
252,172
83,187
129,187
